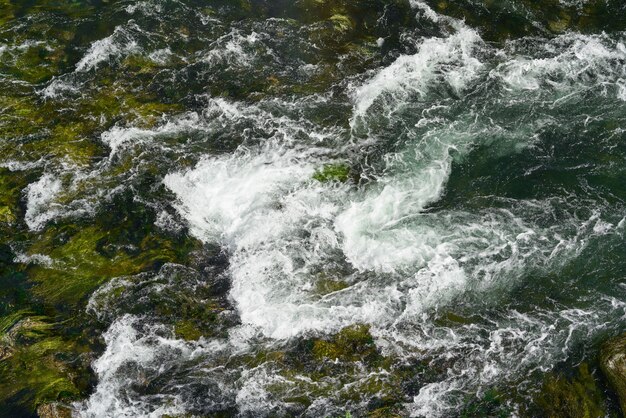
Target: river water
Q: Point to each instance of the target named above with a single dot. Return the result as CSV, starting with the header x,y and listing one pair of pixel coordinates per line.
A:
x,y
444,182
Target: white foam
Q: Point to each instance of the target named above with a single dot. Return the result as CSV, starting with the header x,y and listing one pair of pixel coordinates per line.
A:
x,y
145,353
426,10
571,62
514,344
21,165
58,87
161,56
235,48
147,8
119,138
280,226
167,222
448,60
34,258
40,205
225,198
120,43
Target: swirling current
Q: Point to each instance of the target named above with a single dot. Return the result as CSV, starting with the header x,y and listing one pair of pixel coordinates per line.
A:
x,y
311,207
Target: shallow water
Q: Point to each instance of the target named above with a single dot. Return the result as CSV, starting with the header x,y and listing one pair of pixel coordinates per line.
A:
x,y
309,208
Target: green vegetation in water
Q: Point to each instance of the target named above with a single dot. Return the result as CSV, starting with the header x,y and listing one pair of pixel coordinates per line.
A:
x,y
11,186
45,350
491,404
325,286
187,330
504,20
613,365
322,366
38,365
333,172
122,243
350,344
577,397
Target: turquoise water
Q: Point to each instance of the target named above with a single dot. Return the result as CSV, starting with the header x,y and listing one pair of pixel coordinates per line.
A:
x,y
310,208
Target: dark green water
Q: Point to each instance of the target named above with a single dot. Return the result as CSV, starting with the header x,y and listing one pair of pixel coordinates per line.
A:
x,y
311,208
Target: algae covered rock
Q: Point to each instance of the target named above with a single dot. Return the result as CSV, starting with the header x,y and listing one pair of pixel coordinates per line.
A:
x,y
325,286
350,344
502,20
385,412
575,397
345,367
490,404
332,172
54,410
42,367
613,365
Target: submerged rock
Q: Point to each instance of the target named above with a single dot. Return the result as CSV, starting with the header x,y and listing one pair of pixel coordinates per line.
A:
x,y
491,404
577,397
613,365
499,21
54,410
350,344
333,172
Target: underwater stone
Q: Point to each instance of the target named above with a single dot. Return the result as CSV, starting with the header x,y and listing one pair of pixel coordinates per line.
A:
x,y
332,172
350,344
187,330
54,410
613,365
578,397
342,23
326,286
491,404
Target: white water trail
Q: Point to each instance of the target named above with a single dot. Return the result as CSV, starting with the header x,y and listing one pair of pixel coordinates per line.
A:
x,y
120,43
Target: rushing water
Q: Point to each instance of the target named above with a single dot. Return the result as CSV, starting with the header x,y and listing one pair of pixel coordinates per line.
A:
x,y
444,182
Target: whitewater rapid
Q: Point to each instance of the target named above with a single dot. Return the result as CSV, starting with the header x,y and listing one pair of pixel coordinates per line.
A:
x,y
402,260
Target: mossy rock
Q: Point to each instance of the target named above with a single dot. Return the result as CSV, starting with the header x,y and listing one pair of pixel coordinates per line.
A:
x,y
54,410
342,23
502,20
117,102
41,367
613,365
31,57
123,242
386,412
345,367
7,12
381,392
321,8
39,63
79,268
577,397
11,185
19,117
325,286
187,330
353,343
71,142
333,172
489,404
89,258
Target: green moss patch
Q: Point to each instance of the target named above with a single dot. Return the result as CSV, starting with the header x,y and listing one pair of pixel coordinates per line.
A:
x,y
613,365
332,172
576,397
350,344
